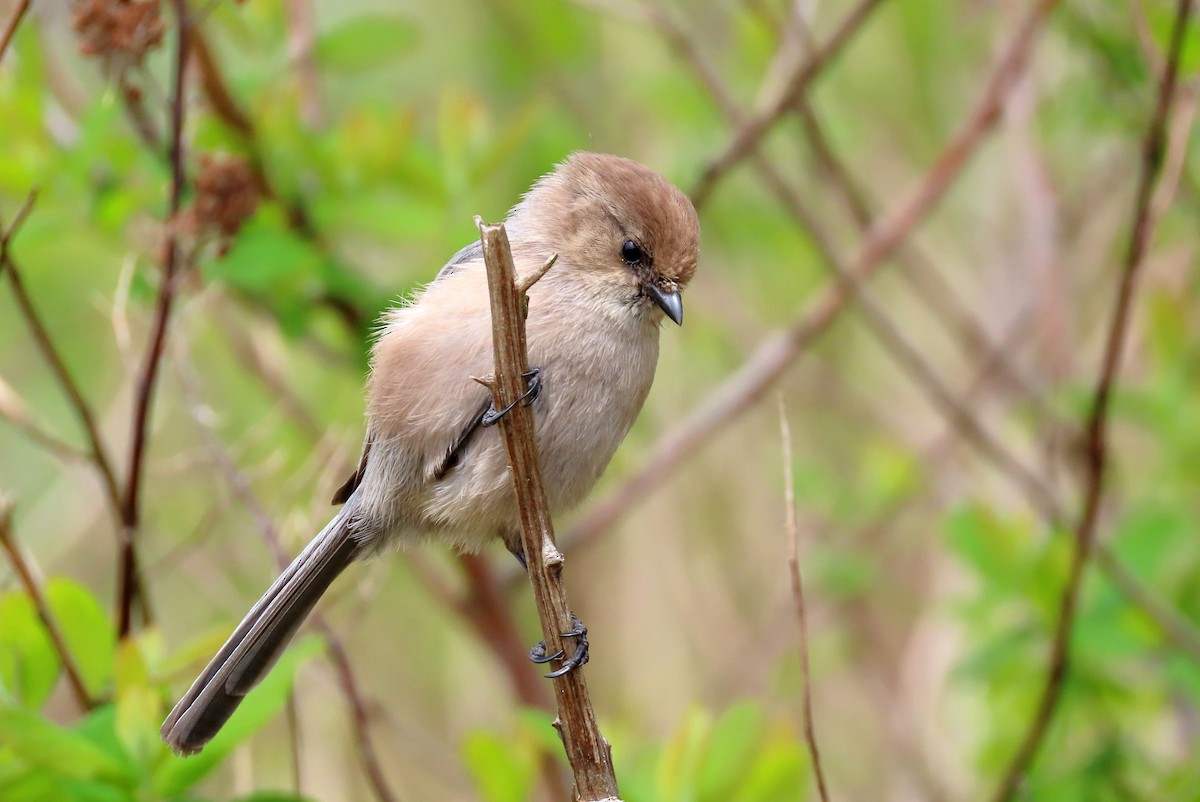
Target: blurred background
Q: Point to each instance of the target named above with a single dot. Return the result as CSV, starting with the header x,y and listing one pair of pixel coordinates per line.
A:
x,y
978,161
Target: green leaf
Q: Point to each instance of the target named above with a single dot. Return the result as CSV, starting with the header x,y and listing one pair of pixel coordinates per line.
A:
x,y
260,706
365,42
501,768
682,756
40,743
779,773
86,629
731,749
267,258
273,796
28,662
139,708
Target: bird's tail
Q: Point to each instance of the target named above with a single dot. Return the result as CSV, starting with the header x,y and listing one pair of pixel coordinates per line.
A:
x,y
258,641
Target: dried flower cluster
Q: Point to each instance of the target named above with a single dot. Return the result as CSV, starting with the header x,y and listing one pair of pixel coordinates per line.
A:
x,y
109,27
226,196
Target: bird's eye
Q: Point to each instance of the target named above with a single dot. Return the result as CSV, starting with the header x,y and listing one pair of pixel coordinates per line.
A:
x,y
632,253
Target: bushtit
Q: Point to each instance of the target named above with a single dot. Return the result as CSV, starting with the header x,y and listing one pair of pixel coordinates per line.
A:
x,y
627,242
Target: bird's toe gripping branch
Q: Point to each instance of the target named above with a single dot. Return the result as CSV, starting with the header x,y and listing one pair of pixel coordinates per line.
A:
x,y
533,388
577,659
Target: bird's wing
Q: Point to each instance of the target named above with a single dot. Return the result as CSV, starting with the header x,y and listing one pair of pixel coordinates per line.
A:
x,y
469,254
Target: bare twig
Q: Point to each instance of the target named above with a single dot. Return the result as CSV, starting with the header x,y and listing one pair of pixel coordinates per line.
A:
x,y
793,532
128,583
58,366
1166,618
932,287
742,390
14,410
358,708
240,486
1096,441
747,138
13,24
29,581
301,40
587,751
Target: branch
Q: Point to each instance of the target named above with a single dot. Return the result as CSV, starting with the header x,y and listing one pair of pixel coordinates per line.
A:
x,y
13,24
58,366
587,751
747,138
917,266
362,723
1096,441
793,532
746,387
240,486
128,584
29,581
14,410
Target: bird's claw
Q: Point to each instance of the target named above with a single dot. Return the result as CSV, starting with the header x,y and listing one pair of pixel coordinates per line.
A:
x,y
534,378
577,659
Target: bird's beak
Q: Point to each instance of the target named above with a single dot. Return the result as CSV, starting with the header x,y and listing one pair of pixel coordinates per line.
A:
x,y
669,302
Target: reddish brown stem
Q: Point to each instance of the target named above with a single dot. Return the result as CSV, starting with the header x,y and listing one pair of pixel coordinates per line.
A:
x,y
1095,439
32,587
128,584
13,23
749,136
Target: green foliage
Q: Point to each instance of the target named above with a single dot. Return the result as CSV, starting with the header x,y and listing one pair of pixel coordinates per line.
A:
x,y
738,755
113,753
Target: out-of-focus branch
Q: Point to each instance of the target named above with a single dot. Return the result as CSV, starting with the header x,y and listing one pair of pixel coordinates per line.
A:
x,y
748,137
301,40
793,532
14,410
239,485
933,288
28,577
587,750
13,23
1096,438
45,344
129,584
746,387
957,413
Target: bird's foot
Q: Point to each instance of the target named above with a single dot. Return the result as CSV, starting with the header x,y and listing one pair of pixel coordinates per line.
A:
x,y
578,658
533,388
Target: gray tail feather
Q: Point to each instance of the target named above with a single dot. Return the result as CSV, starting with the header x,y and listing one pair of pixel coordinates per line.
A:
x,y
259,640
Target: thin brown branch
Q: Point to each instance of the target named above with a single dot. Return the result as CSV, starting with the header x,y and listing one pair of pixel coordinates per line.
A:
x,y
216,90
129,584
240,486
587,751
58,366
488,612
301,41
746,387
932,287
14,410
29,581
13,23
747,138
1096,438
793,532
358,708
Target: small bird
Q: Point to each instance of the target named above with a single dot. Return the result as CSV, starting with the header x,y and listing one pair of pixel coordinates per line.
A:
x,y
627,243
